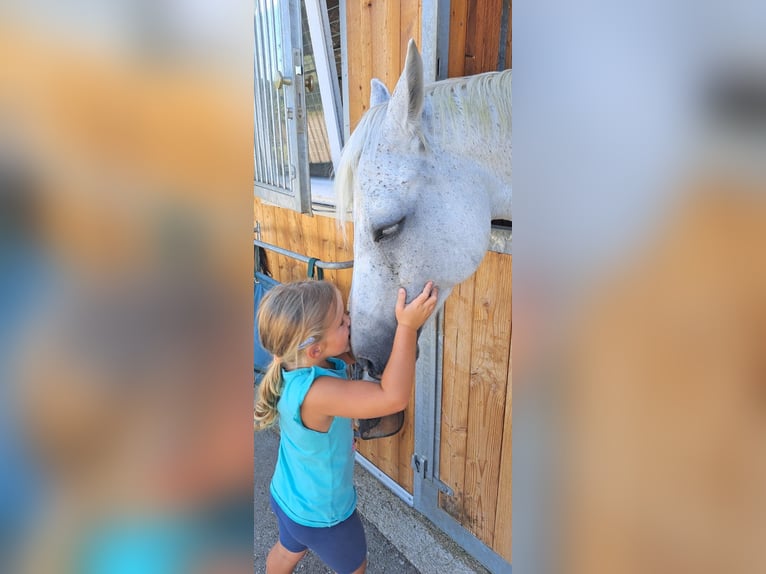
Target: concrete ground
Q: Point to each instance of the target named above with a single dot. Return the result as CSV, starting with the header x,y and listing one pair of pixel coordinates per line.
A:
x,y
399,539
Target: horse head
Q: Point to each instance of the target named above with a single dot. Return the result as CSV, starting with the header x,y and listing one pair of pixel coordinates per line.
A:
x,y
422,209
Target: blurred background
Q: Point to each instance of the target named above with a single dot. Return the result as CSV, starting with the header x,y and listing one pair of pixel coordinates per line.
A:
x,y
639,286
125,290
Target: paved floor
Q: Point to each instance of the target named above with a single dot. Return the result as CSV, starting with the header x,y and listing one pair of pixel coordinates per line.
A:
x,y
399,539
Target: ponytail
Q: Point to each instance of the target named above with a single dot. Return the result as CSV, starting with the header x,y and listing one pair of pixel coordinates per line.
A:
x,y
289,316
269,391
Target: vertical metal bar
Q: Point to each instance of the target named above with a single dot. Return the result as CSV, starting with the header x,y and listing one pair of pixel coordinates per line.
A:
x,y
268,74
344,71
439,320
299,148
428,39
267,98
425,403
269,50
260,116
271,66
288,95
442,39
268,168
312,136
504,31
257,87
278,66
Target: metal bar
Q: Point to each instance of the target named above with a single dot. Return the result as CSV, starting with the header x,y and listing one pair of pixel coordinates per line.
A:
x,y
344,71
504,31
262,119
298,146
273,111
278,95
428,39
425,403
442,39
273,62
267,99
439,320
304,258
386,480
501,240
258,87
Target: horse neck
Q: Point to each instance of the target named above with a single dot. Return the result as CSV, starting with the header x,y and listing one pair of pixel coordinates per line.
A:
x,y
481,139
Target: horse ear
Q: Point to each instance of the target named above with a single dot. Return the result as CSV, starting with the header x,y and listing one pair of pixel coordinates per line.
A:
x,y
406,103
379,93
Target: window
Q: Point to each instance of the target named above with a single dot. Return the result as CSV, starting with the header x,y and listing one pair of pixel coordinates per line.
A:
x,y
297,102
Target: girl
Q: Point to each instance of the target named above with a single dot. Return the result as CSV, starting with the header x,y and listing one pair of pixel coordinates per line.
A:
x,y
304,326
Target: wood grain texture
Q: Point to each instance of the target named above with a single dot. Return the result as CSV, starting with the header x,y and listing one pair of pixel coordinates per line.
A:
x,y
457,37
502,544
456,378
482,45
359,40
475,455
490,346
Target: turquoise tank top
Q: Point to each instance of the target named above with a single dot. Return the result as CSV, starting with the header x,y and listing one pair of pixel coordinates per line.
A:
x,y
313,481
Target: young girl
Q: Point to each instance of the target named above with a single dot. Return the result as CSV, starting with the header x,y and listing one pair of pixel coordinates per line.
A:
x,y
305,327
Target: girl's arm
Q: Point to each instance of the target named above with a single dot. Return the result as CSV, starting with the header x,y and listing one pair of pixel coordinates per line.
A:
x,y
333,397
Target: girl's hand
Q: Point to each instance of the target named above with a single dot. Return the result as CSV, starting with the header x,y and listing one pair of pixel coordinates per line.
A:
x,y
419,309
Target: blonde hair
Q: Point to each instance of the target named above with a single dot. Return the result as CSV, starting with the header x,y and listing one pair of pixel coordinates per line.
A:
x,y
291,316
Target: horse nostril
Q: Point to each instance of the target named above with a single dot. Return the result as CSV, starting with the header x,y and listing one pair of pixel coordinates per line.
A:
x,y
357,369
361,366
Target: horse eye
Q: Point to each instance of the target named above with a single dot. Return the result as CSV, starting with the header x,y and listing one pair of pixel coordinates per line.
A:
x,y
388,231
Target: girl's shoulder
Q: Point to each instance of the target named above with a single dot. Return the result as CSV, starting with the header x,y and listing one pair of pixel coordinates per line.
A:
x,y
298,381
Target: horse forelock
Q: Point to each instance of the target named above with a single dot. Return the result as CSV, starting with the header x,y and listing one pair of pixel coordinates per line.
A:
x,y
481,103
363,141
365,135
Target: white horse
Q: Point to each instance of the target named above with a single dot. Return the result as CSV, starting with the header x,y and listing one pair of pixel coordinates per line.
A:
x,y
427,170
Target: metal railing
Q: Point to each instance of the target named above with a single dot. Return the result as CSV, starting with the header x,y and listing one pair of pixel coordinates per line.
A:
x,y
305,258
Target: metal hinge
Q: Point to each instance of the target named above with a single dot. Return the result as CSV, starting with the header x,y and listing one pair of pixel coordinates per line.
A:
x,y
420,465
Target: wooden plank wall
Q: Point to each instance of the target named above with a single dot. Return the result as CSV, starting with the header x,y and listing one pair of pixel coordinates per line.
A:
x,y
475,454
474,42
476,426
378,32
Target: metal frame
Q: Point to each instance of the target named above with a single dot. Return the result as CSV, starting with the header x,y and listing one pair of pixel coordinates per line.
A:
x,y
387,481
280,42
344,69
321,43
426,483
316,262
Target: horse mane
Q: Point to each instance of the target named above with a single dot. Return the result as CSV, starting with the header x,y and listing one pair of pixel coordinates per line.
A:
x,y
482,102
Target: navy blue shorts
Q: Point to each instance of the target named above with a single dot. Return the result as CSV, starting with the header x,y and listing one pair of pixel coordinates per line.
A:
x,y
342,547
